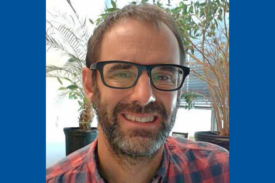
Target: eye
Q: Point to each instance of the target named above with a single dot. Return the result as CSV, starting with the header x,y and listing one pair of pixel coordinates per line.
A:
x,y
162,77
123,74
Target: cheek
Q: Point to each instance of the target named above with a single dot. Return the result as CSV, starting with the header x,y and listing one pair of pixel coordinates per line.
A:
x,y
110,97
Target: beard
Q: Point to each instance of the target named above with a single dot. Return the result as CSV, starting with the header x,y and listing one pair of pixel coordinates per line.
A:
x,y
137,143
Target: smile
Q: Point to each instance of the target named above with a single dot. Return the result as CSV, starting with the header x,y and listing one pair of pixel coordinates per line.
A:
x,y
139,119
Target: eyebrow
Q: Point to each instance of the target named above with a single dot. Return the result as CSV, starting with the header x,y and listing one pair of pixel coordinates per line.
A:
x,y
171,69
119,66
167,68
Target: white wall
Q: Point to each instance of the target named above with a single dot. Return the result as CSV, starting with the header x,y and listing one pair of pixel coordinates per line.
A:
x,y
65,115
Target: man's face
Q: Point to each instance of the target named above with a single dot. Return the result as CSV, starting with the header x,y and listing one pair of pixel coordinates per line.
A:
x,y
136,121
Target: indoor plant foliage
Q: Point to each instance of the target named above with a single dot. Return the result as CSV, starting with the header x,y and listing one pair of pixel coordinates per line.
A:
x,y
69,35
205,32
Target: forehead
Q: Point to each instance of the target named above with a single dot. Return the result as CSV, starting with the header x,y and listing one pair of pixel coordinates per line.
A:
x,y
140,42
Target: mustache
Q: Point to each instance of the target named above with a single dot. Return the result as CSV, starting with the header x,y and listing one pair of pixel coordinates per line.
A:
x,y
135,107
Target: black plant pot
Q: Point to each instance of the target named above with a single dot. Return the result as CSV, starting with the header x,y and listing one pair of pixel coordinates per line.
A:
x,y
212,137
77,138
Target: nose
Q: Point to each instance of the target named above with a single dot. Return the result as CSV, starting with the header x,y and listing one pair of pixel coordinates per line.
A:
x,y
143,93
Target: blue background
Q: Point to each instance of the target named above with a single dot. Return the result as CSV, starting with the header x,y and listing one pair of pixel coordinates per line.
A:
x,y
251,91
22,91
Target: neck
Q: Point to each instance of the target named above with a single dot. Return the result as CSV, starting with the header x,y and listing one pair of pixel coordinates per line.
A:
x,y
122,168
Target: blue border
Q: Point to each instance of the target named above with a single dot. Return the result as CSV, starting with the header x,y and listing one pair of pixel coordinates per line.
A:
x,y
251,91
22,91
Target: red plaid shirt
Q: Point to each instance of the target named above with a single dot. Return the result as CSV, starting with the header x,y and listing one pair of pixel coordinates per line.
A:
x,y
184,161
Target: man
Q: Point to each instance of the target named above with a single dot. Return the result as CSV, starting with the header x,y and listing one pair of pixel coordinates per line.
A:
x,y
133,78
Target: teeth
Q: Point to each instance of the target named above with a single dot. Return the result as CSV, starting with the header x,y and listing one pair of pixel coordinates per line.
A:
x,y
137,119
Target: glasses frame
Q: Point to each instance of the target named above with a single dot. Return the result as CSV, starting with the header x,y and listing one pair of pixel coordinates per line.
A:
x,y
100,65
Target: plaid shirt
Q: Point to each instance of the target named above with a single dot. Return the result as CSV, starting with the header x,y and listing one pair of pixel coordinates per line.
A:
x,y
184,161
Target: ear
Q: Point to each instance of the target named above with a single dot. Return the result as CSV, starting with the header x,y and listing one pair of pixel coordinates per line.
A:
x,y
87,83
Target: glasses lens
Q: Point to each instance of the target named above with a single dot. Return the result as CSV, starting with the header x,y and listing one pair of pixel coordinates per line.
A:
x,y
167,77
120,75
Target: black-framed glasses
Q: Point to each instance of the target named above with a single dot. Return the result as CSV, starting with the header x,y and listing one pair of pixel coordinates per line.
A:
x,y
123,75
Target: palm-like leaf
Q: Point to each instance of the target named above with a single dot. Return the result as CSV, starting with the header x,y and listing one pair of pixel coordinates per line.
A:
x,y
69,36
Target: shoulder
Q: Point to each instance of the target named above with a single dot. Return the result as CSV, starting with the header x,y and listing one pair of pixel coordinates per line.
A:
x,y
66,167
185,150
201,161
183,144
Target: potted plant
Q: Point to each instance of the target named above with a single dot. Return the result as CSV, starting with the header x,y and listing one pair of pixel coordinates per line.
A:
x,y
69,35
205,31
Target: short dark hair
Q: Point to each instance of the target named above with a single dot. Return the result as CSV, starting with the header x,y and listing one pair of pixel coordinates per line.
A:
x,y
144,12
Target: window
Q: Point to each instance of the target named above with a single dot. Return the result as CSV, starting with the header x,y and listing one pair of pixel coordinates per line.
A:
x,y
194,84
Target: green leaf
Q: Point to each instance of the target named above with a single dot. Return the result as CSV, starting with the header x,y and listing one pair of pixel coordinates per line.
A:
x,y
68,79
72,87
110,10
72,97
220,12
201,14
80,108
216,23
144,1
159,4
62,88
189,18
196,11
98,21
195,31
78,94
91,21
104,15
113,3
134,2
191,9
86,100
197,35
192,50
220,17
80,103
59,80
72,59
185,10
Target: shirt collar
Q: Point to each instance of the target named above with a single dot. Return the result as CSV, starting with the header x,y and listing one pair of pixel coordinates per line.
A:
x,y
92,160
162,171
